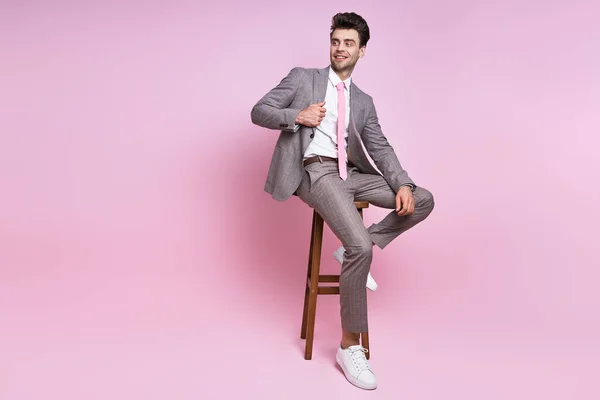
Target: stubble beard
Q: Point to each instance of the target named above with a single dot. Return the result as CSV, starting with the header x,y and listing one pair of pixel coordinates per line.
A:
x,y
349,66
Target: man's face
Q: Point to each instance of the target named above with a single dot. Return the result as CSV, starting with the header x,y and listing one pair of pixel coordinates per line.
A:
x,y
345,50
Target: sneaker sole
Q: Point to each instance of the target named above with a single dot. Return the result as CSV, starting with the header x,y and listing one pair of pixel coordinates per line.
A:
x,y
352,379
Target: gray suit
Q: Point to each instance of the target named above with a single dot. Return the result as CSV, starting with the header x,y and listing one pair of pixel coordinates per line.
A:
x,y
320,186
278,110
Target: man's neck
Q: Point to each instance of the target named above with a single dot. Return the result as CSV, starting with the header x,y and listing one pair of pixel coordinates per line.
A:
x,y
343,75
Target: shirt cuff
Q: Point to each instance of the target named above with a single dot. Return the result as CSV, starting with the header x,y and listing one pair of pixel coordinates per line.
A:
x,y
412,187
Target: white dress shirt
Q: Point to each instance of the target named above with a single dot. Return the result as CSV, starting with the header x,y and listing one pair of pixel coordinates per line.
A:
x,y
325,141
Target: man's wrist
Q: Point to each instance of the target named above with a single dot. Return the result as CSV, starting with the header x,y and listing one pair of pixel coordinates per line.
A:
x,y
408,185
298,120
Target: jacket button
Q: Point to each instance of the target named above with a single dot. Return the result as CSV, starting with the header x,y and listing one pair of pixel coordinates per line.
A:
x,y
312,135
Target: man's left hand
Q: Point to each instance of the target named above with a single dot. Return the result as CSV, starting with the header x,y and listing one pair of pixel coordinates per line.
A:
x,y
405,203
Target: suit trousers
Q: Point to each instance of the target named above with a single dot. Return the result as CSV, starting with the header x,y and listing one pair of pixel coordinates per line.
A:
x,y
333,198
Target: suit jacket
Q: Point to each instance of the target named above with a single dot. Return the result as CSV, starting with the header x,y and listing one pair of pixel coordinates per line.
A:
x,y
279,108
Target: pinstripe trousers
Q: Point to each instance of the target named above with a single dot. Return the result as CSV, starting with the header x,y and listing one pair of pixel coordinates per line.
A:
x,y
333,198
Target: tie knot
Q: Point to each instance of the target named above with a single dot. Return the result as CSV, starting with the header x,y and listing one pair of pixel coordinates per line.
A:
x,y
340,86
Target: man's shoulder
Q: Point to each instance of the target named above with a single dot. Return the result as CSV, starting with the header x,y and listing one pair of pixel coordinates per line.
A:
x,y
306,71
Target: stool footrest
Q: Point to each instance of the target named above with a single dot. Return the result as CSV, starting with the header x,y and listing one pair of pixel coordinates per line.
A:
x,y
333,289
329,278
328,290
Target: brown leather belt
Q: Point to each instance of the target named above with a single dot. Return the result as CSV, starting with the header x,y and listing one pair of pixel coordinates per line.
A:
x,y
315,159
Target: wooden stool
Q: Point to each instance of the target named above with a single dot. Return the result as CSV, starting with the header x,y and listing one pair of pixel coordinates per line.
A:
x,y
312,283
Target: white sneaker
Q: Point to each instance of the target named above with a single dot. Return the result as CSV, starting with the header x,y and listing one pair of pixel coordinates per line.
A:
x,y
356,367
339,256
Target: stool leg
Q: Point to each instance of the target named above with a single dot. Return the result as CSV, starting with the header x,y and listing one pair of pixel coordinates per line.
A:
x,y
305,313
364,337
314,285
306,290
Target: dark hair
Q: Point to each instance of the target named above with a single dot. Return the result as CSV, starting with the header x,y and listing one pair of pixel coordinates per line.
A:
x,y
350,20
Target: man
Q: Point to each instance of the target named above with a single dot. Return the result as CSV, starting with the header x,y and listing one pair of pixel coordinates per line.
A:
x,y
325,120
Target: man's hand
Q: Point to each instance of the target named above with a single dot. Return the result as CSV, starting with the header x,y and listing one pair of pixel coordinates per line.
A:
x,y
405,203
312,115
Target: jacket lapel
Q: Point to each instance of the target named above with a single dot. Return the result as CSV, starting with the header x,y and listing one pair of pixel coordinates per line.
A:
x,y
356,112
320,79
320,85
356,151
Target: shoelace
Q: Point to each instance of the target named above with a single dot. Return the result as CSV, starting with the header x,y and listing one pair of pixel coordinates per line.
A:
x,y
359,359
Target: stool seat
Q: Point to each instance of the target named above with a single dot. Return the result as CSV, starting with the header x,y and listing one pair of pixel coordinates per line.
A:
x,y
313,278
361,204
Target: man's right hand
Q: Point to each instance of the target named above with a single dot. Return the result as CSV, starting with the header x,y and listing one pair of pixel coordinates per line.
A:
x,y
312,115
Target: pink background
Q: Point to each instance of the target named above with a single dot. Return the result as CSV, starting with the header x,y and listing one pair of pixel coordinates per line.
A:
x,y
140,258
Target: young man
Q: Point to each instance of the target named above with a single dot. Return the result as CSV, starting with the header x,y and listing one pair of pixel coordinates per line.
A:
x,y
325,120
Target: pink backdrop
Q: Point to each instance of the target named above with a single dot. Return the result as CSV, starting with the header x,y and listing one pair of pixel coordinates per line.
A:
x,y
140,258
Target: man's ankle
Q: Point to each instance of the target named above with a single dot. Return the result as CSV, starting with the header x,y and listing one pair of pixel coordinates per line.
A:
x,y
346,344
349,339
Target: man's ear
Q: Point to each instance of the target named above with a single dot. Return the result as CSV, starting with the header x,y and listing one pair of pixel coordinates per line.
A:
x,y
361,52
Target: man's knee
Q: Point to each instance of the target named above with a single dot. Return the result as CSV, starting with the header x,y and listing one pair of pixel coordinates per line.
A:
x,y
357,264
362,250
425,200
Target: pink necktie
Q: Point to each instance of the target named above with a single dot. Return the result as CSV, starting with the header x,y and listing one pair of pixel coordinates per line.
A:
x,y
341,130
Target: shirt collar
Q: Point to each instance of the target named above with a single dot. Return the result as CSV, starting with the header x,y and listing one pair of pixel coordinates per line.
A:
x,y
335,79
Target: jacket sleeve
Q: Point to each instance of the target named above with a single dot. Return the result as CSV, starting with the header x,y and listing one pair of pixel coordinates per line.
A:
x,y
272,111
383,154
